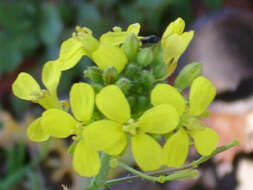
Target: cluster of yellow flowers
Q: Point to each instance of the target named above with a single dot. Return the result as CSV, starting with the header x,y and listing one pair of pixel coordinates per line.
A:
x,y
170,115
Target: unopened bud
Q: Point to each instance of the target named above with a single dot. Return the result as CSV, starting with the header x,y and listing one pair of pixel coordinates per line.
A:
x,y
147,79
157,53
160,70
94,74
97,86
110,75
124,84
142,103
131,100
131,47
145,57
132,71
187,75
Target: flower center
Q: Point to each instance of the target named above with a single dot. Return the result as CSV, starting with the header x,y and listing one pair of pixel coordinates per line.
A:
x,y
131,127
85,36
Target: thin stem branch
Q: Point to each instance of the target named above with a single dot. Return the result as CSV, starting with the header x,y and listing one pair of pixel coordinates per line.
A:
x,y
192,165
160,179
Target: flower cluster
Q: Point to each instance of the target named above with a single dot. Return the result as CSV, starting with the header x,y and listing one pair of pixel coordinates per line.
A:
x,y
125,100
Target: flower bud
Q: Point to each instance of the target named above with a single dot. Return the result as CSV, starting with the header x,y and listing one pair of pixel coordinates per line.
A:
x,y
124,84
147,79
132,101
187,75
94,74
110,75
145,57
132,71
142,103
131,47
157,53
159,70
97,86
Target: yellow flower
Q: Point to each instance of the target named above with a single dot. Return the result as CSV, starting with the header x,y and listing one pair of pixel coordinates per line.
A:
x,y
104,52
26,88
174,42
111,134
60,124
202,93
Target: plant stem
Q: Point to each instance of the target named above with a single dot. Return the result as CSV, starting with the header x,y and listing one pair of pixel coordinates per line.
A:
x,y
192,165
98,182
160,179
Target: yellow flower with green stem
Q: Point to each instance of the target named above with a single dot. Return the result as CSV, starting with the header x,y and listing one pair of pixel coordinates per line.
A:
x,y
174,42
104,52
110,135
202,93
25,87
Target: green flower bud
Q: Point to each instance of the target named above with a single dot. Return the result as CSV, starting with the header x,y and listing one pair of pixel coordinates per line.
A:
x,y
97,86
124,84
131,100
110,75
187,75
131,47
147,79
132,71
145,57
159,70
94,74
157,53
142,103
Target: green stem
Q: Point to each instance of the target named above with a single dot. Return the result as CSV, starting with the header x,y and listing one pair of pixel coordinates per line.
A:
x,y
160,179
98,182
192,165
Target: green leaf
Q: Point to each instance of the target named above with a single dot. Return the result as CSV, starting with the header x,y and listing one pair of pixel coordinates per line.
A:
x,y
202,93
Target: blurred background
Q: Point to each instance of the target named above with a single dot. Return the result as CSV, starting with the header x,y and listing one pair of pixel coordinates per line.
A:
x,y
31,32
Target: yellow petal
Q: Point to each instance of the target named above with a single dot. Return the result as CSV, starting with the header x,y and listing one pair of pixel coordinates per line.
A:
x,y
147,152
114,38
58,123
35,131
118,37
205,140
134,28
82,101
25,87
175,45
159,119
108,55
51,76
202,94
176,149
167,94
176,27
86,161
70,54
109,137
113,104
